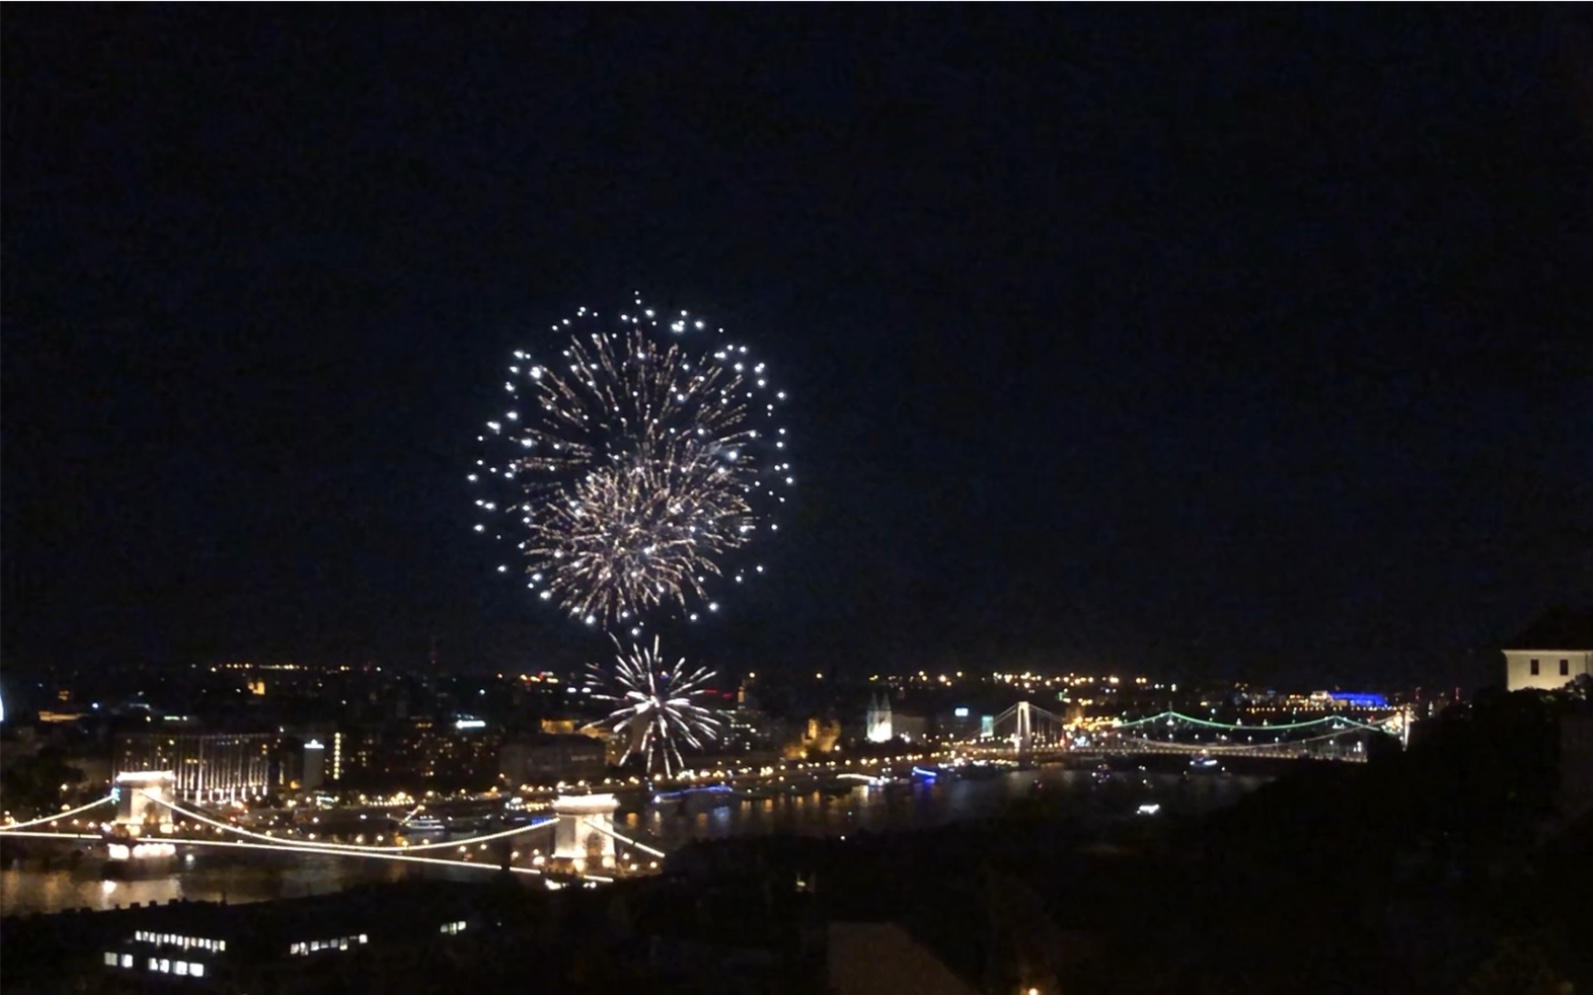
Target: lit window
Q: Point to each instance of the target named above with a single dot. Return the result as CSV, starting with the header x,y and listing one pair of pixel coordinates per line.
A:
x,y
165,966
110,960
154,964
182,968
221,945
127,960
197,970
364,938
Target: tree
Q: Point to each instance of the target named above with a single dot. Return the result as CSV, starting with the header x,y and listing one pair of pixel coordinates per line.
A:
x,y
1518,966
34,784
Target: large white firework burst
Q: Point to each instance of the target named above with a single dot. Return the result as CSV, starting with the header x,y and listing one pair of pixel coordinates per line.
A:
x,y
654,706
636,465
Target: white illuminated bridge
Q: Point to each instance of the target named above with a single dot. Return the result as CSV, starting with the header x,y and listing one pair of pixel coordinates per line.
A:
x,y
585,842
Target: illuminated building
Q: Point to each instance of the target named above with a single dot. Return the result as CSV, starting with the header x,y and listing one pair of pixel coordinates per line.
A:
x,y
1555,650
1347,699
745,729
218,767
313,774
414,753
248,946
549,759
877,721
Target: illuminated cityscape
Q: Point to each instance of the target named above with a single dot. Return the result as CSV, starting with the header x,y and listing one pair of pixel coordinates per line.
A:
x,y
1009,499
550,800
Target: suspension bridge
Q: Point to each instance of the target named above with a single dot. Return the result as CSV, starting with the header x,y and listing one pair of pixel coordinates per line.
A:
x,y
1030,730
141,824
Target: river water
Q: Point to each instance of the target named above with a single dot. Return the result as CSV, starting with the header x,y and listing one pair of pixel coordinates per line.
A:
x,y
29,886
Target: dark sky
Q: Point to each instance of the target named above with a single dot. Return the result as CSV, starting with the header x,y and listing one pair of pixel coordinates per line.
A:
x,y
1200,342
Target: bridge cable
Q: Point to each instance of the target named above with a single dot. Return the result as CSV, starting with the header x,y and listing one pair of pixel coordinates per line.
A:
x,y
9,827
353,847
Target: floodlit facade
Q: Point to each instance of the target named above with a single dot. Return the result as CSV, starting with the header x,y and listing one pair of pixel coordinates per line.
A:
x,y
221,767
1555,650
877,723
584,836
140,797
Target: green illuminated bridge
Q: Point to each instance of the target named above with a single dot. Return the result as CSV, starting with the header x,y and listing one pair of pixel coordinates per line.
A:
x,y
1029,729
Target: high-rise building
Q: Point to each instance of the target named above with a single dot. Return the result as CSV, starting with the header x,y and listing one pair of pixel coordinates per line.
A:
x,y
416,754
313,774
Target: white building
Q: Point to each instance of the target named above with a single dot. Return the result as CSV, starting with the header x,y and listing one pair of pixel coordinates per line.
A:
x,y
1555,650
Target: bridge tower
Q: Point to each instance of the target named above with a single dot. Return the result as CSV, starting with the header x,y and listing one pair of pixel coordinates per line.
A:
x,y
140,797
583,838
1024,734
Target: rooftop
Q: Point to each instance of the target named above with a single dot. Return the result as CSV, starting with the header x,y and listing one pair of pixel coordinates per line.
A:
x,y
1559,628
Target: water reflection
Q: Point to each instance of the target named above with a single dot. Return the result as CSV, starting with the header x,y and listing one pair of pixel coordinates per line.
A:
x,y
813,812
835,812
25,887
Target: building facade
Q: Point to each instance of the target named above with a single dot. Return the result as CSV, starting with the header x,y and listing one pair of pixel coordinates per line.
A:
x,y
413,754
1555,650
207,767
551,759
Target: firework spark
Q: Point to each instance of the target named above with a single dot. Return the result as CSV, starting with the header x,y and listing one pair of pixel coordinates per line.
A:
x,y
655,707
636,466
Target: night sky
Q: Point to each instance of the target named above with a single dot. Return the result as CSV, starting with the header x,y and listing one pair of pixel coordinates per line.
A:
x,y
1207,342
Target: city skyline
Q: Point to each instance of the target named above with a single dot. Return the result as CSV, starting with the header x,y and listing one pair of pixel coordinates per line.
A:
x,y
1195,348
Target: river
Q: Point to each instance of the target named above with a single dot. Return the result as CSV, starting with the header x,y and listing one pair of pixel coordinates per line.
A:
x,y
28,886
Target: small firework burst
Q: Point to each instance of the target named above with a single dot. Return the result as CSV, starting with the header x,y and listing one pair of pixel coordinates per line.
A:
x,y
654,706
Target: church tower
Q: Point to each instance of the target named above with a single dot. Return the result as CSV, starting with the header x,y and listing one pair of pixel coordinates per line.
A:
x,y
878,720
